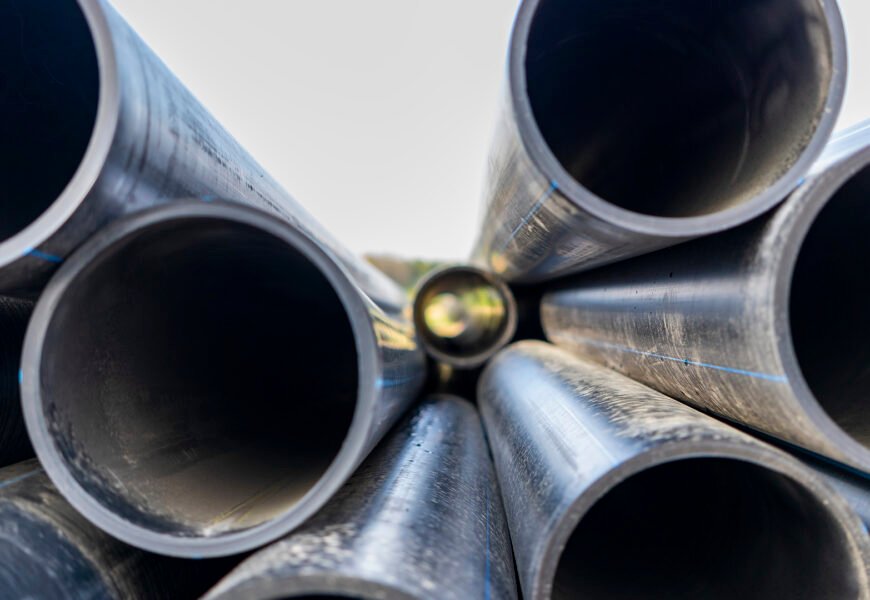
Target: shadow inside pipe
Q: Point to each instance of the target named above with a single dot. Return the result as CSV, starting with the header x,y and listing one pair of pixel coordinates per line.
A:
x,y
678,108
49,89
830,323
200,377
707,528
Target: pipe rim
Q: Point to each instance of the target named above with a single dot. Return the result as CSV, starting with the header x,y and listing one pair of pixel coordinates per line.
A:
x,y
546,564
797,220
304,585
510,327
90,167
545,160
343,464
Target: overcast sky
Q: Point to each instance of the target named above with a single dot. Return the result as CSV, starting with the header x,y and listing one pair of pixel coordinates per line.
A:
x,y
376,115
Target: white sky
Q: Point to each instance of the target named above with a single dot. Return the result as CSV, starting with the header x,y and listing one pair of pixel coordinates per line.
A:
x,y
375,115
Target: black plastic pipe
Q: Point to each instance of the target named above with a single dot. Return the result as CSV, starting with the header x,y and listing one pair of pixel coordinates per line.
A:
x,y
48,551
613,490
765,325
94,126
422,519
633,125
200,378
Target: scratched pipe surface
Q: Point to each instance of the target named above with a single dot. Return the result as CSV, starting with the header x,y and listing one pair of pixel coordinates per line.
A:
x,y
95,126
14,444
766,325
421,519
629,126
613,490
48,551
200,378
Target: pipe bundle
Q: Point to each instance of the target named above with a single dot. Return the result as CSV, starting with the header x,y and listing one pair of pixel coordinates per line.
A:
x,y
203,372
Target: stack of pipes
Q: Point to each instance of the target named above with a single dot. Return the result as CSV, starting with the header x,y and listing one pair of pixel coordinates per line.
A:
x,y
203,393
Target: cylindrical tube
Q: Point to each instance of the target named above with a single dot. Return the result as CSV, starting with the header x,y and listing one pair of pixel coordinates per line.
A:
x,y
95,126
421,519
48,551
630,126
463,315
14,444
198,379
613,490
765,325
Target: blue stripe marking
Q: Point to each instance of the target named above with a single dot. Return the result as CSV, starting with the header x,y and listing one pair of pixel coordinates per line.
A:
x,y
525,220
43,255
488,568
388,383
687,362
20,377
208,198
15,480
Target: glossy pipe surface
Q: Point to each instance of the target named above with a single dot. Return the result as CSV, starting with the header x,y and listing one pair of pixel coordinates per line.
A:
x,y
765,325
631,126
48,551
96,126
200,378
613,490
421,519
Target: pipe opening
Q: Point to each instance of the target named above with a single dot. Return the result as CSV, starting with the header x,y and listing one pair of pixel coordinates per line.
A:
x,y
708,528
678,108
199,377
49,90
463,315
830,323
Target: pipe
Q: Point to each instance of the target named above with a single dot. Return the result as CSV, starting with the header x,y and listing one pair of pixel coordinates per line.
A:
x,y
421,519
614,491
765,325
200,378
631,126
463,315
853,486
48,551
96,126
14,444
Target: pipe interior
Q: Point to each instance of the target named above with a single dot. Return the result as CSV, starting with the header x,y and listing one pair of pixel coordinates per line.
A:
x,y
49,89
200,377
830,323
707,528
461,314
678,108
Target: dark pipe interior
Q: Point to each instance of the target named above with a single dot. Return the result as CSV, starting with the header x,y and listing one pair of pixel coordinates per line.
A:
x,y
830,322
49,87
200,377
678,108
707,528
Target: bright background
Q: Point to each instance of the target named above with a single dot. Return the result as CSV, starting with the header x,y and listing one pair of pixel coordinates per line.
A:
x,y
376,115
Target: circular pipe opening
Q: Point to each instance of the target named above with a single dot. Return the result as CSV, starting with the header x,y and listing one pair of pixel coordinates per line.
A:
x,y
49,93
829,320
198,377
707,528
680,108
464,315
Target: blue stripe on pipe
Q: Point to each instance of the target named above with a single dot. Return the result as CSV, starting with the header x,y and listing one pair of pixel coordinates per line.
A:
x,y
686,361
525,220
43,255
